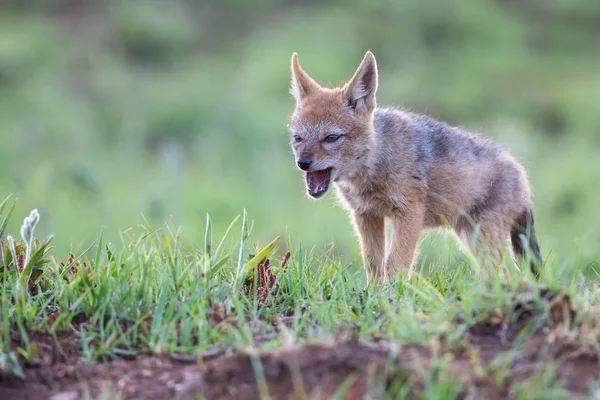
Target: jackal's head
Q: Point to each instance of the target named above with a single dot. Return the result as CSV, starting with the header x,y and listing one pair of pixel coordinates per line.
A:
x,y
332,129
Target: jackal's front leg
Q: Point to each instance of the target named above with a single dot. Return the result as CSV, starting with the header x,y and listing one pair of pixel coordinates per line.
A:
x,y
371,232
406,229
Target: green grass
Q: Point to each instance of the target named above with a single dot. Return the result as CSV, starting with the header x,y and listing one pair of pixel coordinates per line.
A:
x,y
118,117
147,294
143,110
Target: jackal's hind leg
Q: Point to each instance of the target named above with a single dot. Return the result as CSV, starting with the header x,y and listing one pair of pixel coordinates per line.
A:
x,y
486,239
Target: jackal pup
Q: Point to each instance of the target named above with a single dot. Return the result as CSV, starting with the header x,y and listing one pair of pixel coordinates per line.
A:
x,y
412,169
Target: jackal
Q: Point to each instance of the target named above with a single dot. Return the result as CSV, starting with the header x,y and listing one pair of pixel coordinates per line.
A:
x,y
418,172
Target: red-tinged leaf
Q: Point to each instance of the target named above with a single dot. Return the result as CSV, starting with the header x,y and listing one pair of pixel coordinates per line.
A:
x,y
285,260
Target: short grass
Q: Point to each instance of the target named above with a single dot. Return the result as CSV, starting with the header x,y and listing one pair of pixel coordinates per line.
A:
x,y
146,294
115,109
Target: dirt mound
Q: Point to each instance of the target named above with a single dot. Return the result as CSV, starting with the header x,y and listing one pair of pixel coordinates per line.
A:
x,y
528,337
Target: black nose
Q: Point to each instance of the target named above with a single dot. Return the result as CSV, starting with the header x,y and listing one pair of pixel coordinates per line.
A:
x,y
304,163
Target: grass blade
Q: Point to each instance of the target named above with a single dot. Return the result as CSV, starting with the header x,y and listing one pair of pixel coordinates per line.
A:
x,y
208,236
260,257
7,217
243,240
217,253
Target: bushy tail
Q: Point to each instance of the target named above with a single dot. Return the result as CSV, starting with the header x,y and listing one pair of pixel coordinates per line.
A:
x,y
524,226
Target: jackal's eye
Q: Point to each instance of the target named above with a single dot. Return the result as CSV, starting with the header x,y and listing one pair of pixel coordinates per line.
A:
x,y
332,138
297,139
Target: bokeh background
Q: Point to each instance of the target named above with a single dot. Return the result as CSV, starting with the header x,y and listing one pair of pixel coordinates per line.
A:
x,y
112,111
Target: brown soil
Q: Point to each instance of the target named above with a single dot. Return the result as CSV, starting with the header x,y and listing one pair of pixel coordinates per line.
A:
x,y
321,368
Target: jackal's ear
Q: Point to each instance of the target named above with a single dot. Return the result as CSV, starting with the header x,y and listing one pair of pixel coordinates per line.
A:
x,y
361,89
302,84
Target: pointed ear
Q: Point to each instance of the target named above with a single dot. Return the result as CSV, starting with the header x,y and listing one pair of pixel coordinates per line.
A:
x,y
361,89
302,84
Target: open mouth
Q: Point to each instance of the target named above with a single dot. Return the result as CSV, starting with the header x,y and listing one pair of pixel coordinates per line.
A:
x,y
317,182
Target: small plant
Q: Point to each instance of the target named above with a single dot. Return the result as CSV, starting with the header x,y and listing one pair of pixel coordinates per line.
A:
x,y
9,365
265,279
27,258
70,267
24,260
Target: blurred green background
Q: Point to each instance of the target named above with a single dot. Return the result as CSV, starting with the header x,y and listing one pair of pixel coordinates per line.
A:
x,y
110,110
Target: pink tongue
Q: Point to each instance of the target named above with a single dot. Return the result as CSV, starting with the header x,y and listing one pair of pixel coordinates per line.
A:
x,y
318,180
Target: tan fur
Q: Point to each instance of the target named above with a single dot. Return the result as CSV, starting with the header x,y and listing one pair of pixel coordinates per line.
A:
x,y
418,172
